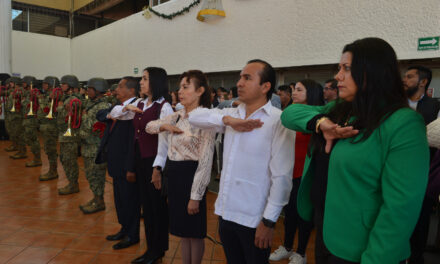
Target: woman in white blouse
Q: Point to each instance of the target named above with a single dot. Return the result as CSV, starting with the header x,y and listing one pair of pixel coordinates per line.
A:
x,y
188,168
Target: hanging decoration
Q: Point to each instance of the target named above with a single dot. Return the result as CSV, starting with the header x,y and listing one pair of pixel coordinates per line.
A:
x,y
149,10
211,9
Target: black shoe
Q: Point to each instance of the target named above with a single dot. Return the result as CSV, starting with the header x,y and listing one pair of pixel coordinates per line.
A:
x,y
141,259
152,259
117,236
125,243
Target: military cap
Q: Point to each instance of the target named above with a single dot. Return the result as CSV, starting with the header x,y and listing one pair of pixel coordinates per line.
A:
x,y
51,81
113,87
70,80
29,79
99,84
16,80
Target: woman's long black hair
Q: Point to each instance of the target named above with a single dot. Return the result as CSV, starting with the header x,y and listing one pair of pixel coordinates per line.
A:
x,y
158,83
380,92
315,92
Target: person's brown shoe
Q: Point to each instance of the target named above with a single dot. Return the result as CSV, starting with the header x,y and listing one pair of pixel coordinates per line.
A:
x,y
95,205
69,189
11,148
34,163
18,156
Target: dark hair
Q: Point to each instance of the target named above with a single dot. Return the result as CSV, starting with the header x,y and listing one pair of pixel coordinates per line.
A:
x,y
223,89
131,83
315,92
234,92
334,83
292,83
424,73
285,88
380,92
267,75
158,82
199,79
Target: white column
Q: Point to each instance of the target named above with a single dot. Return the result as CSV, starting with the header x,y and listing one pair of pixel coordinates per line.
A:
x,y
5,36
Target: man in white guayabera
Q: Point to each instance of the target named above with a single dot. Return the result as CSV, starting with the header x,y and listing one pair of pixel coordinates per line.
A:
x,y
257,165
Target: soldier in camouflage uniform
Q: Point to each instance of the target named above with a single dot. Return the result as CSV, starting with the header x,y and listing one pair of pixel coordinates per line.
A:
x,y
6,93
48,127
30,122
68,143
91,132
15,116
110,95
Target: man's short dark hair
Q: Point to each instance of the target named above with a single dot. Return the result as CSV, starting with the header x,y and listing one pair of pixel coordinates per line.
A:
x,y
334,83
424,73
131,83
223,89
285,88
267,75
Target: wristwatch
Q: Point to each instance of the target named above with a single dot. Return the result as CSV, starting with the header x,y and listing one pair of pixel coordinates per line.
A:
x,y
159,168
268,223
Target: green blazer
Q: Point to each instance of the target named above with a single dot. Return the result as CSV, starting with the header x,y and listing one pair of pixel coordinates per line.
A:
x,y
375,187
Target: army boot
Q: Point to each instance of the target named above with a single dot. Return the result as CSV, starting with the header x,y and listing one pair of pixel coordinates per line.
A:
x,y
19,155
51,174
95,205
69,189
36,162
11,148
81,207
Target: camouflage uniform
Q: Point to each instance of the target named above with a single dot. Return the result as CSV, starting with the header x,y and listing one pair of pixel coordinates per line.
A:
x,y
7,93
31,125
90,140
111,99
16,129
48,129
68,144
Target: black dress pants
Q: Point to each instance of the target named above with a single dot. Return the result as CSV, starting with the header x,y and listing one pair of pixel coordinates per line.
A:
x,y
239,246
420,234
154,208
293,221
3,133
127,205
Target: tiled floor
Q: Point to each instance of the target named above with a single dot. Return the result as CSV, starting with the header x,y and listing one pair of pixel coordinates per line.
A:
x,y
39,226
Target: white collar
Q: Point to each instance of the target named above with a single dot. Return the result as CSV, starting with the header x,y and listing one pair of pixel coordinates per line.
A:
x,y
159,101
126,102
267,109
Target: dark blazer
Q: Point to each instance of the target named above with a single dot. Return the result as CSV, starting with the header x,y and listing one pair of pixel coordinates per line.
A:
x,y
117,145
429,107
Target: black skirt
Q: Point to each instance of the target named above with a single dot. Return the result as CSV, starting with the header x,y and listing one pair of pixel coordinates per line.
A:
x,y
180,179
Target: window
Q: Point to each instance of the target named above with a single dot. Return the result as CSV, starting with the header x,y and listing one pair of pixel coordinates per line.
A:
x,y
42,20
19,20
157,2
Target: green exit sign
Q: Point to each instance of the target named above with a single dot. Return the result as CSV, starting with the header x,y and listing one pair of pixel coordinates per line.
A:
x,y
431,43
135,70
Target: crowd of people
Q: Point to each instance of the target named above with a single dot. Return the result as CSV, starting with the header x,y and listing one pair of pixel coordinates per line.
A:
x,y
350,159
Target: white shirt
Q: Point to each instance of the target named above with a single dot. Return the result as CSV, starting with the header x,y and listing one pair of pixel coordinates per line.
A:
x,y
257,166
117,112
166,110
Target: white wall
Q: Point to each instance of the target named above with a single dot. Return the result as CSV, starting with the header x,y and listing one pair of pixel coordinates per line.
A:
x,y
284,32
40,55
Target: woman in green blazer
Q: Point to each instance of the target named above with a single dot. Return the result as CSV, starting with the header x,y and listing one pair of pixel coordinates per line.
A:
x,y
367,169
